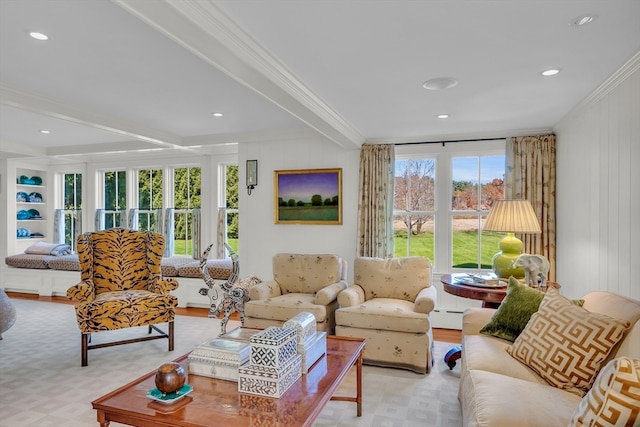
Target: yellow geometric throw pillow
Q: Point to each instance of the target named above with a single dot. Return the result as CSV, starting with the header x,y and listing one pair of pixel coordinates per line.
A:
x,y
566,344
614,399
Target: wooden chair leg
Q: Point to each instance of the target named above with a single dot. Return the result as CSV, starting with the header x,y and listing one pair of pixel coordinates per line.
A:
x,y
170,336
85,349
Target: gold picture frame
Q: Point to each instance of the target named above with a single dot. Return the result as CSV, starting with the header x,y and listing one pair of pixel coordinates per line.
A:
x,y
308,196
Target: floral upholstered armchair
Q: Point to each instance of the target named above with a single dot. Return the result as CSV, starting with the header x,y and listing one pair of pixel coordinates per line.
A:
x,y
122,286
390,305
301,282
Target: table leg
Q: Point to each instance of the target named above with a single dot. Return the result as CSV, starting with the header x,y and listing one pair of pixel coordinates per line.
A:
x,y
102,419
359,384
358,398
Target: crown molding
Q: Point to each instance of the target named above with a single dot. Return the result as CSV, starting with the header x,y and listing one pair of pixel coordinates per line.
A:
x,y
623,73
202,28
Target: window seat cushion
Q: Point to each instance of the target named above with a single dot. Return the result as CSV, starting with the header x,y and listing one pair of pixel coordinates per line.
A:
x,y
171,267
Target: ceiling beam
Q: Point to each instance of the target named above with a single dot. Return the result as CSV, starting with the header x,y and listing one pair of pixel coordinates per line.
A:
x,y
202,28
44,106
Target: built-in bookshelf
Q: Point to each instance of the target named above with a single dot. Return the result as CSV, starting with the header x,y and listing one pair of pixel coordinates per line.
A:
x,y
30,214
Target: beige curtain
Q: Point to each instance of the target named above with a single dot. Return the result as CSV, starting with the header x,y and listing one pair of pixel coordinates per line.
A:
x,y
375,203
531,175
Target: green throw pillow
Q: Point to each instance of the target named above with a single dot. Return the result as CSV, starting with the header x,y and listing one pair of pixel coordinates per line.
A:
x,y
515,311
513,314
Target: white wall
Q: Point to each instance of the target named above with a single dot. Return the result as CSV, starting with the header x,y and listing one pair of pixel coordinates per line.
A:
x,y
598,191
260,237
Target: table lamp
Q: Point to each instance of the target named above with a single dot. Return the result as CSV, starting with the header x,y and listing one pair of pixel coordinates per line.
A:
x,y
510,216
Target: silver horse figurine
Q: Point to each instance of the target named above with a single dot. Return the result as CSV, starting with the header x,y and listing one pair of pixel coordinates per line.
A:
x,y
225,297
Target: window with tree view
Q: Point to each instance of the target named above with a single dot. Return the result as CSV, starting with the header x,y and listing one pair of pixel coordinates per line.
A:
x,y
414,207
115,199
442,196
72,207
150,200
231,203
477,183
187,188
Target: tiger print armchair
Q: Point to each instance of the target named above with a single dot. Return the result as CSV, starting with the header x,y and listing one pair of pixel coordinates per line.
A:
x,y
122,286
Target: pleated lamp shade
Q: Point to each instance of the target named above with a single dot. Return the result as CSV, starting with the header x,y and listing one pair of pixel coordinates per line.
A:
x,y
512,216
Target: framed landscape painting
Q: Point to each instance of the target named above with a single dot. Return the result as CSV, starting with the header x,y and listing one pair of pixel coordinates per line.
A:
x,y
308,196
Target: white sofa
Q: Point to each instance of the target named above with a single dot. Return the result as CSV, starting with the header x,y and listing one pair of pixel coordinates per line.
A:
x,y
497,390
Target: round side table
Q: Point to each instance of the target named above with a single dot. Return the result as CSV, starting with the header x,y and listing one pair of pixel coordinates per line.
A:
x,y
490,297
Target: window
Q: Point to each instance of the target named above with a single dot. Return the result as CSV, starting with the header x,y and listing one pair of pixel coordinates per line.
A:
x,y
72,207
414,207
442,195
231,203
115,199
149,200
187,187
477,182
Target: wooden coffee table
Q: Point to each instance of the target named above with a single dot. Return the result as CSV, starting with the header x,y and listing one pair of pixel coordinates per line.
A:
x,y
218,402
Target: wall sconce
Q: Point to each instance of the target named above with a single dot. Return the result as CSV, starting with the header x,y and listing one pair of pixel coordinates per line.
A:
x,y
252,175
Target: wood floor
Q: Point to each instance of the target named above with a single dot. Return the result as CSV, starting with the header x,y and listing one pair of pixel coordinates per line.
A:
x,y
444,335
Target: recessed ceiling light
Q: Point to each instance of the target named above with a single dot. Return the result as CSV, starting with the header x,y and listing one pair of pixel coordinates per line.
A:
x,y
581,20
44,131
440,83
442,116
217,114
38,36
550,72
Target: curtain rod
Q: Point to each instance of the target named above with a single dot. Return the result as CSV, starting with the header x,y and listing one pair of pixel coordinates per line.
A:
x,y
449,141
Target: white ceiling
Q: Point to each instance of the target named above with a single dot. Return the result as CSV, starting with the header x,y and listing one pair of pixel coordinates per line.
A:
x,y
136,74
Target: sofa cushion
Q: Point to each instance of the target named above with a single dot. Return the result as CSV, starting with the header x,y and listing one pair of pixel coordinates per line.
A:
x,y
515,311
566,344
614,399
397,278
384,314
484,353
495,400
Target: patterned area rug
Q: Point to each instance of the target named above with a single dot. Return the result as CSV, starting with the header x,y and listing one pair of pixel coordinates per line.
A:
x,y
43,385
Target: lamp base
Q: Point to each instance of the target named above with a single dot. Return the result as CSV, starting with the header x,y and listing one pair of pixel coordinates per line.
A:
x,y
510,250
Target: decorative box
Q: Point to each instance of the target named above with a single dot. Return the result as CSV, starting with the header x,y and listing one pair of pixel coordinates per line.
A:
x,y
240,334
225,351
267,380
273,347
213,369
219,358
312,350
305,325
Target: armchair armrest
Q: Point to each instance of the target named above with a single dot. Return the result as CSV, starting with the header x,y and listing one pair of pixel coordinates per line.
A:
x,y
426,300
329,293
82,292
164,285
474,318
353,295
265,290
